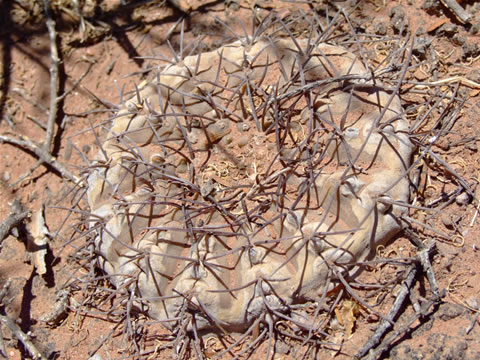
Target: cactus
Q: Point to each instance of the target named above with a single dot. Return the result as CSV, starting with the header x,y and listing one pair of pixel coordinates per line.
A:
x,y
239,182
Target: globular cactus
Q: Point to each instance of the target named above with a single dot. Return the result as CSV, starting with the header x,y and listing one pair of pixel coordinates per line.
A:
x,y
243,180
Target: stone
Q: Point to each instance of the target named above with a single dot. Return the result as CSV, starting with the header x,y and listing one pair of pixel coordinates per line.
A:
x,y
463,199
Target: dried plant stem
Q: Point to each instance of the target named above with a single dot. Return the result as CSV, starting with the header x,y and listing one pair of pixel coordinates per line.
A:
x,y
22,337
13,219
457,10
15,329
54,80
29,173
42,154
388,342
397,305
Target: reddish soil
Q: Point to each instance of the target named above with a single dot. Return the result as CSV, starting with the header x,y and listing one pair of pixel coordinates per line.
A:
x,y
114,51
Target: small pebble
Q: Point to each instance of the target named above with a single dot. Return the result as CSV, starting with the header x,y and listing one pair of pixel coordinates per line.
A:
x,y
472,302
6,176
398,22
227,139
380,28
281,347
447,29
470,50
447,221
243,141
458,39
462,199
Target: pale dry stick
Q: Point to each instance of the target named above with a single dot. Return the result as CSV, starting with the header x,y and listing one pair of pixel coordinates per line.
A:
x,y
76,83
472,323
451,196
460,13
4,291
7,117
475,215
447,166
424,258
42,154
54,79
32,102
410,220
451,80
351,292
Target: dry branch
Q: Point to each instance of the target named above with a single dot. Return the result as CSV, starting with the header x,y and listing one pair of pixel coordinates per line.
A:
x,y
15,329
457,10
407,285
389,342
42,154
397,305
17,215
22,337
3,352
54,80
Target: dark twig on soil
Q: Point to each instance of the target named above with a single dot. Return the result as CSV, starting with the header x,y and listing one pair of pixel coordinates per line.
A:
x,y
397,305
76,83
385,325
15,329
389,341
3,292
54,79
42,154
424,257
17,215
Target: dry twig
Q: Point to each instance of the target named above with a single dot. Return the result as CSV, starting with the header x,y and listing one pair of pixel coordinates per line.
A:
x,y
15,329
43,155
457,10
389,341
17,215
22,337
398,304
385,325
54,80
